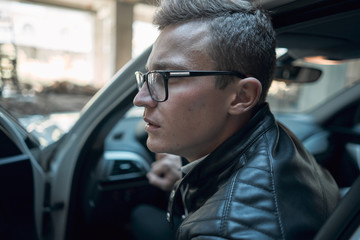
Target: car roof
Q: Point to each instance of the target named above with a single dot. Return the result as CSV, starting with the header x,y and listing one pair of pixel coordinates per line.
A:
x,y
326,27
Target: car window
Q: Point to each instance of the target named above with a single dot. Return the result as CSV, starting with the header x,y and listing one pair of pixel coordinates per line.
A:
x,y
302,97
51,64
46,61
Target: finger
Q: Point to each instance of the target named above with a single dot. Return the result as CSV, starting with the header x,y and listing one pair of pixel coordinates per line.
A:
x,y
160,168
158,182
159,156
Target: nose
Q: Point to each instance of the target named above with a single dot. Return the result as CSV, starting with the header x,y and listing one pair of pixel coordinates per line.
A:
x,y
143,98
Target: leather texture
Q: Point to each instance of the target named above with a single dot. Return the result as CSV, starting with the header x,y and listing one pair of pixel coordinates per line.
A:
x,y
259,184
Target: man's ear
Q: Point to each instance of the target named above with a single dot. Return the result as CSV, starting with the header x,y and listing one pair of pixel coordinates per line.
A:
x,y
246,96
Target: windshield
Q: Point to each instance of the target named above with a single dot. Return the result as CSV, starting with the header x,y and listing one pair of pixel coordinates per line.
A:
x,y
287,97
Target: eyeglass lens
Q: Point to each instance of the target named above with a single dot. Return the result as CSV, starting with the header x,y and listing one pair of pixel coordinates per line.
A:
x,y
139,79
156,85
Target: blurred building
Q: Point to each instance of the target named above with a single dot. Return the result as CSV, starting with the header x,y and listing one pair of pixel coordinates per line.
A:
x,y
84,42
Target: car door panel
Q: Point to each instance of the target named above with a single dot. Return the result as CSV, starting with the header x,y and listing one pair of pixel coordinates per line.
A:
x,y
21,181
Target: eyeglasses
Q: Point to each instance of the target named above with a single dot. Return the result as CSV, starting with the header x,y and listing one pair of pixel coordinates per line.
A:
x,y
157,81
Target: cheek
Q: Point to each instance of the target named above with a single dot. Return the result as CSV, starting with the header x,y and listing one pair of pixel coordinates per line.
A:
x,y
181,115
192,103
194,114
192,107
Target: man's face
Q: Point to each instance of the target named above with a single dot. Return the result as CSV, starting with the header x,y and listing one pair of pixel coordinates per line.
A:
x,y
192,122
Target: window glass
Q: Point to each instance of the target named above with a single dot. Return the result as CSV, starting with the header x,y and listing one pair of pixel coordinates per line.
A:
x,y
54,59
302,97
46,59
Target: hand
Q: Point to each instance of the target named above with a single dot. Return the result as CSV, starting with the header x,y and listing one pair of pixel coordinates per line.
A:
x,y
165,171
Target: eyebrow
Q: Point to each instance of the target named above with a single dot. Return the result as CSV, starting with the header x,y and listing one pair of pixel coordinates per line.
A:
x,y
166,66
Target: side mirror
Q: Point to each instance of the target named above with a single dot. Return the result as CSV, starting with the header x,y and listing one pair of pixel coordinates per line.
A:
x,y
296,74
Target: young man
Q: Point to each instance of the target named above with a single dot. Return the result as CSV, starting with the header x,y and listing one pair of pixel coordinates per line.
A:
x,y
204,97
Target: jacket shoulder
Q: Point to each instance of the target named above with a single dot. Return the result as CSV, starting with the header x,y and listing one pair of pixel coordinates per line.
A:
x,y
243,207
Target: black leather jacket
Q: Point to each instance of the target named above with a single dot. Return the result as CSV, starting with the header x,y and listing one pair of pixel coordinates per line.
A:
x,y
259,184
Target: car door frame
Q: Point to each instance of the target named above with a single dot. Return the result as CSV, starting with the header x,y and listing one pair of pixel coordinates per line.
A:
x,y
12,129
66,165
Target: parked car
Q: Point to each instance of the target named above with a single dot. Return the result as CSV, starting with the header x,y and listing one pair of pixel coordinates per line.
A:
x,y
84,185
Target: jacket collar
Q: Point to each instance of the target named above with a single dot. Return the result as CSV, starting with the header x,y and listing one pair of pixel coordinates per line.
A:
x,y
217,166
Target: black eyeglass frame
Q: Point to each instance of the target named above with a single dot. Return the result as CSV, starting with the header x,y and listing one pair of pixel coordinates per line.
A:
x,y
167,74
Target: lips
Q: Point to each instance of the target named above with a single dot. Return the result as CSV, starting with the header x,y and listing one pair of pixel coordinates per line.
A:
x,y
150,125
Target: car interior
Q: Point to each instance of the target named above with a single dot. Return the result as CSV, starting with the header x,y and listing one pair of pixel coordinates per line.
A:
x,y
332,132
110,174
113,181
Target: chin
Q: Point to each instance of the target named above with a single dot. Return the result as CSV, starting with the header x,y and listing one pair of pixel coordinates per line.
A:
x,y
156,147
